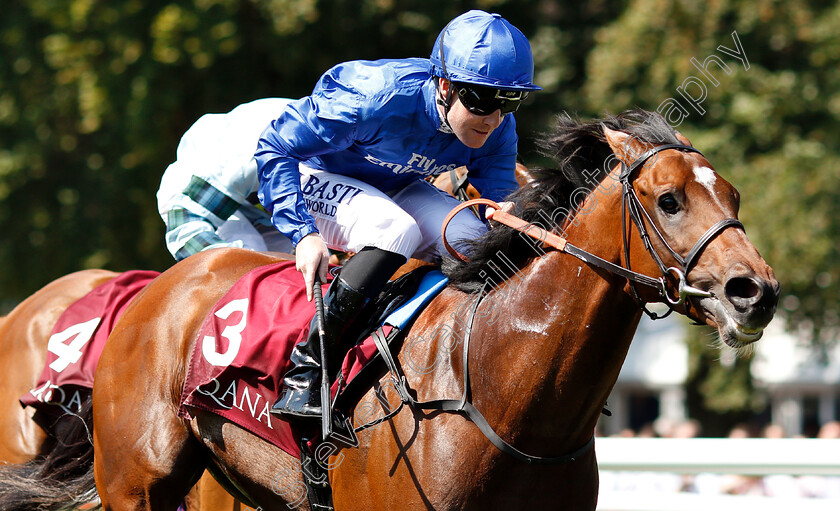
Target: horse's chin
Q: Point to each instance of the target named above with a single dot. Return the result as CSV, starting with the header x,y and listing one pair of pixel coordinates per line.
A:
x,y
732,333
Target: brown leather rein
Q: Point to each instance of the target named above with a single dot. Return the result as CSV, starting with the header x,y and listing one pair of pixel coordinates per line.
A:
x,y
639,216
631,204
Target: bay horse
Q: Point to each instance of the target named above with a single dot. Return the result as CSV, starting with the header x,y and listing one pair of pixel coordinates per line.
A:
x,y
530,333
24,334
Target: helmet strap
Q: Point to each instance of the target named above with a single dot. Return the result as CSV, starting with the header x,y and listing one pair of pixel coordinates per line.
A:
x,y
446,103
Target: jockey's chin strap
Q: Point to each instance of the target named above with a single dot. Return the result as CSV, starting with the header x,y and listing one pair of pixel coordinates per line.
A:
x,y
446,102
640,217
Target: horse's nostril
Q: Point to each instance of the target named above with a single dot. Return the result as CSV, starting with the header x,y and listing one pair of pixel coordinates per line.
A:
x,y
743,291
742,288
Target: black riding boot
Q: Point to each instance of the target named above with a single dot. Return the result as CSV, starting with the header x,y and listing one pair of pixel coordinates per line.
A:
x,y
361,279
302,396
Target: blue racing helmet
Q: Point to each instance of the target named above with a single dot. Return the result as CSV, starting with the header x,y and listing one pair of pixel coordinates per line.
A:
x,y
484,49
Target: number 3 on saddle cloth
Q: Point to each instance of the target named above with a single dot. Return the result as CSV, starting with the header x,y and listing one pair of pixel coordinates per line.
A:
x,y
243,347
75,345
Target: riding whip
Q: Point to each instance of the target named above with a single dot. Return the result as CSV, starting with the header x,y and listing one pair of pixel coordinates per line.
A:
x,y
326,408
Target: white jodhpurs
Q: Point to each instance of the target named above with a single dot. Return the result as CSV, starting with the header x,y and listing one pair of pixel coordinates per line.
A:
x,y
251,228
351,215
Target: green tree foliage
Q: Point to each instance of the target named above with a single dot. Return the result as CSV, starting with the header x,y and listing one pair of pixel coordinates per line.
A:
x,y
94,97
769,126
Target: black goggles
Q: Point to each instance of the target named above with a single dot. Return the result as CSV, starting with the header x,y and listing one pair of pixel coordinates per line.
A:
x,y
480,100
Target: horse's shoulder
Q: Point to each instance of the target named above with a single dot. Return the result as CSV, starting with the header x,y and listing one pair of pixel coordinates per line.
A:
x,y
449,302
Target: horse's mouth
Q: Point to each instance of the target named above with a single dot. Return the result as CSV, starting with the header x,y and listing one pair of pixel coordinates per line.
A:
x,y
733,333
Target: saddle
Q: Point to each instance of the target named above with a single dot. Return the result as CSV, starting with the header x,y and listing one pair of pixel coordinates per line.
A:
x,y
243,346
74,347
242,352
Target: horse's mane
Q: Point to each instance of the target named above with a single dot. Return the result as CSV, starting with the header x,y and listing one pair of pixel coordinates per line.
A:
x,y
581,153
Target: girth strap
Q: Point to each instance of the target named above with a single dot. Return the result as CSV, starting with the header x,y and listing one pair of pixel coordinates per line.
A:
x,y
464,405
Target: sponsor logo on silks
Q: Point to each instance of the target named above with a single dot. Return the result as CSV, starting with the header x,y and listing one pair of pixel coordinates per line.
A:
x,y
321,208
323,189
69,401
247,400
417,164
316,191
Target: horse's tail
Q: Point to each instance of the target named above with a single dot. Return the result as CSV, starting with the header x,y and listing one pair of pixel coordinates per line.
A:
x,y
60,479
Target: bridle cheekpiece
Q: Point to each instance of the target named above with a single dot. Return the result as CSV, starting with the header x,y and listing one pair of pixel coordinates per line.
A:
x,y
632,206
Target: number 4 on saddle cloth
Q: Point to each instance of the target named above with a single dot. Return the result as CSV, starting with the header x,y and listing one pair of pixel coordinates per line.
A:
x,y
75,344
242,351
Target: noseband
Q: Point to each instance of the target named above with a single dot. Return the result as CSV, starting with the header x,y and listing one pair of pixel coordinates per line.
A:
x,y
630,204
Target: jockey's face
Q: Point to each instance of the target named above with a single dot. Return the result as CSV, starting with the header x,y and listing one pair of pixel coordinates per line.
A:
x,y
472,130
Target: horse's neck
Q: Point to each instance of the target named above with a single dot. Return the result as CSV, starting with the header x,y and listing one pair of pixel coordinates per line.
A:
x,y
562,336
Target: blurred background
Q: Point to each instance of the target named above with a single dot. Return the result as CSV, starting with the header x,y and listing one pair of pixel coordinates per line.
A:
x,y
95,95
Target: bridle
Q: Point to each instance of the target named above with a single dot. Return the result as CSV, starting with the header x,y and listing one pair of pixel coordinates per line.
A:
x,y
632,206
637,213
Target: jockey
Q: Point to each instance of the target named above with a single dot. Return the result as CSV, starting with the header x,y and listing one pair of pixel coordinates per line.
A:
x,y
344,168
207,196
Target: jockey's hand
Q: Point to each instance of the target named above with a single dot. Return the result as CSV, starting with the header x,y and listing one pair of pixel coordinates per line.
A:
x,y
311,258
506,206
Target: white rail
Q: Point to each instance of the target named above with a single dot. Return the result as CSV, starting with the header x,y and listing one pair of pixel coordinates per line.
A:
x,y
748,456
755,457
652,501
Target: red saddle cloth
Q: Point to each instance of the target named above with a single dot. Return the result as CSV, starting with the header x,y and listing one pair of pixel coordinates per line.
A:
x,y
242,352
76,343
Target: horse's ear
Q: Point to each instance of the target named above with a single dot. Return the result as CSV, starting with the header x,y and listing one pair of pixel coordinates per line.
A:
x,y
626,147
523,175
682,138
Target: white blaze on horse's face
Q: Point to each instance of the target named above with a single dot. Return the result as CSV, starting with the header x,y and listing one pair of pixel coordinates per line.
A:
x,y
708,178
705,176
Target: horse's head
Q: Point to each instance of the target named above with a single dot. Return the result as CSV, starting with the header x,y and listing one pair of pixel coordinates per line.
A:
x,y
689,213
682,242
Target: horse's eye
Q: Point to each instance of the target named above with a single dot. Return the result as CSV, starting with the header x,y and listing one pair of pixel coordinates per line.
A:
x,y
668,203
